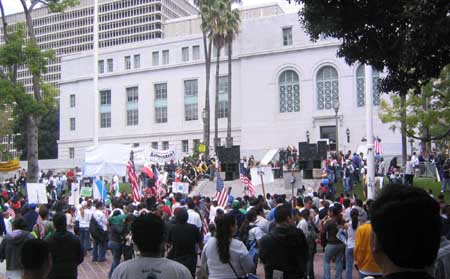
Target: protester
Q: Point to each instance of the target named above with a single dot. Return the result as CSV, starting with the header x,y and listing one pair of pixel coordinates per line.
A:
x,y
99,233
310,230
148,234
36,259
183,239
410,255
43,227
351,228
11,248
66,250
224,256
118,232
335,248
83,217
284,248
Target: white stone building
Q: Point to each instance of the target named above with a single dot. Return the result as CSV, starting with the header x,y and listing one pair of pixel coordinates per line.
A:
x,y
284,87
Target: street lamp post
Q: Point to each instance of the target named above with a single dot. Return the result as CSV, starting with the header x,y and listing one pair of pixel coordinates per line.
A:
x,y
347,132
205,131
307,136
336,111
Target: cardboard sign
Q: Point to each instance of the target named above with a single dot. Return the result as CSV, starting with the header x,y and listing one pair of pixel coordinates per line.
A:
x,y
37,193
180,187
86,191
74,198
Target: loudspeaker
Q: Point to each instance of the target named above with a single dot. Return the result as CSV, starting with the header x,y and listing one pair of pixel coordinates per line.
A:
x,y
304,151
229,155
313,151
322,149
302,164
307,174
317,164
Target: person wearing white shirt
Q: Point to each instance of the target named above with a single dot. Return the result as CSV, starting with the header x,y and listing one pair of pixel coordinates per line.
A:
x,y
83,216
409,171
7,220
193,217
99,246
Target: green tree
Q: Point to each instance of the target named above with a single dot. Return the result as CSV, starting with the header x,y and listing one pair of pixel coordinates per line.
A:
x,y
406,38
426,116
30,107
232,29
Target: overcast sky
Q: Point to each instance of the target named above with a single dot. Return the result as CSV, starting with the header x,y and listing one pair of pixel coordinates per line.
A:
x,y
14,6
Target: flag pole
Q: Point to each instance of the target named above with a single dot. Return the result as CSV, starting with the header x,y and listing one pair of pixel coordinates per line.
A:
x,y
261,174
95,78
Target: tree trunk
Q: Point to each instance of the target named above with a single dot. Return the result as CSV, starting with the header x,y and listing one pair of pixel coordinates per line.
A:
x,y
32,148
206,125
403,127
216,105
230,52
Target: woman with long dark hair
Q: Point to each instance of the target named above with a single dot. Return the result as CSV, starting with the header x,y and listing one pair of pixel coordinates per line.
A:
x,y
223,256
351,227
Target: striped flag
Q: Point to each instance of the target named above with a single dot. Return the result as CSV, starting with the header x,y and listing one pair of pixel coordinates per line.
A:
x,y
205,228
133,179
221,191
377,148
248,186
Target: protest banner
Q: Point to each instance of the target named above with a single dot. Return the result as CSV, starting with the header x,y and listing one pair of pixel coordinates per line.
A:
x,y
162,156
180,187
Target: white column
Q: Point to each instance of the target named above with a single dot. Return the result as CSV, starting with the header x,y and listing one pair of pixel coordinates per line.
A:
x,y
95,78
369,129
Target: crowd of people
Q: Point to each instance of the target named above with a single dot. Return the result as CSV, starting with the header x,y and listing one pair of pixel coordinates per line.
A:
x,y
180,236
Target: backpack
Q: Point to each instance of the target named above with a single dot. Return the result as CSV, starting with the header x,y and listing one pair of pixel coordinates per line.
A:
x,y
97,231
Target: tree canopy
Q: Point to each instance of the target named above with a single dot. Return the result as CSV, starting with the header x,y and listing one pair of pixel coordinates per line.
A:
x,y
407,38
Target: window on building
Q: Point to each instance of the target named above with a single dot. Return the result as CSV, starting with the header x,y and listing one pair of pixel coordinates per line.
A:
x,y
101,66
137,61
165,145
223,97
289,87
127,62
360,86
155,58
191,100
105,108
196,143
132,106
72,123
155,145
110,65
71,153
195,52
161,103
72,100
165,57
327,86
185,54
185,146
287,36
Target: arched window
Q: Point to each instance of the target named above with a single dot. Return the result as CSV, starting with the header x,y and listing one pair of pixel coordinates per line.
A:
x,y
289,91
360,86
327,88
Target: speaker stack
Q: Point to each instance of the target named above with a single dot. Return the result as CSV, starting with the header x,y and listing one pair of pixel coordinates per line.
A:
x,y
229,161
311,157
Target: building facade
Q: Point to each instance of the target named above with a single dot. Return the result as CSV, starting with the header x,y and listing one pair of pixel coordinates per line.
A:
x,y
284,90
120,22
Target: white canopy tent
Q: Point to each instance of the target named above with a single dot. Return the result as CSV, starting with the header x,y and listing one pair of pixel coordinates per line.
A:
x,y
106,159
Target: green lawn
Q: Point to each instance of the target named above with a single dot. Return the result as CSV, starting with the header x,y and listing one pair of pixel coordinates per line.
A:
x,y
421,182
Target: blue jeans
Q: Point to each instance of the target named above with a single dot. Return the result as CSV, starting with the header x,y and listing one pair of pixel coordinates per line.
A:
x,y
335,251
347,185
349,263
116,250
445,182
85,239
99,251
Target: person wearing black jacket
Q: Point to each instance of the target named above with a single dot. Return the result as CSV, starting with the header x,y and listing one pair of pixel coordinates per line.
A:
x,y
284,249
66,250
118,231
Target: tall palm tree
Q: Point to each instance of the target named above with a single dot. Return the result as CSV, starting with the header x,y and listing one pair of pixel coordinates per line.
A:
x,y
217,36
232,29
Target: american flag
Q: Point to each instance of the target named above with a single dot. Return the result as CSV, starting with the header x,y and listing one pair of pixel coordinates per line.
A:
x,y
247,182
133,179
205,228
221,192
377,148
